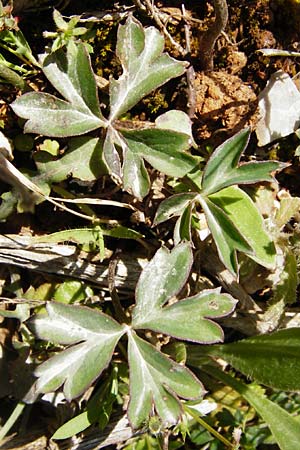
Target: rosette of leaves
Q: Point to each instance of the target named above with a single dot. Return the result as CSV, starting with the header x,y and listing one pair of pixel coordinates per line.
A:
x,y
156,381
145,68
232,217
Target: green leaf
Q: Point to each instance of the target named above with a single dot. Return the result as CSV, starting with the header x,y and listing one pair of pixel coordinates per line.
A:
x,y
72,291
284,427
87,235
182,230
241,210
173,206
96,407
223,167
162,278
156,380
75,425
72,76
110,153
177,121
163,149
135,176
95,336
145,66
226,235
188,319
50,146
271,359
82,160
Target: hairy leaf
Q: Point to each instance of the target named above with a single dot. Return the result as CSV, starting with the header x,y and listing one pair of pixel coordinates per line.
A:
x,y
182,230
110,153
271,359
162,278
188,319
92,336
223,167
82,160
163,149
284,427
156,380
241,210
71,74
145,66
177,121
226,235
173,206
135,176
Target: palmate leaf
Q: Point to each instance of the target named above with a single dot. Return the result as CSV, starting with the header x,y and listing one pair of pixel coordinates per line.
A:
x,y
183,226
135,175
188,318
226,235
71,74
223,169
241,210
162,278
163,149
95,336
173,206
82,160
145,66
156,381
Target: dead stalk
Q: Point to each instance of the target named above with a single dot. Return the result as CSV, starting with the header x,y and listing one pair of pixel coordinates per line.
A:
x,y
209,38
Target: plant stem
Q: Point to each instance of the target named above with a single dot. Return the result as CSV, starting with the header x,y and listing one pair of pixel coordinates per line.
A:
x,y
11,420
205,425
209,38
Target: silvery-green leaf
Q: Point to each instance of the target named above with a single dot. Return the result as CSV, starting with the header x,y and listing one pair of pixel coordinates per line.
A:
x,y
156,380
284,290
145,66
162,278
223,168
71,74
241,210
182,229
163,149
135,176
226,235
188,318
92,336
111,155
177,121
82,160
173,206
